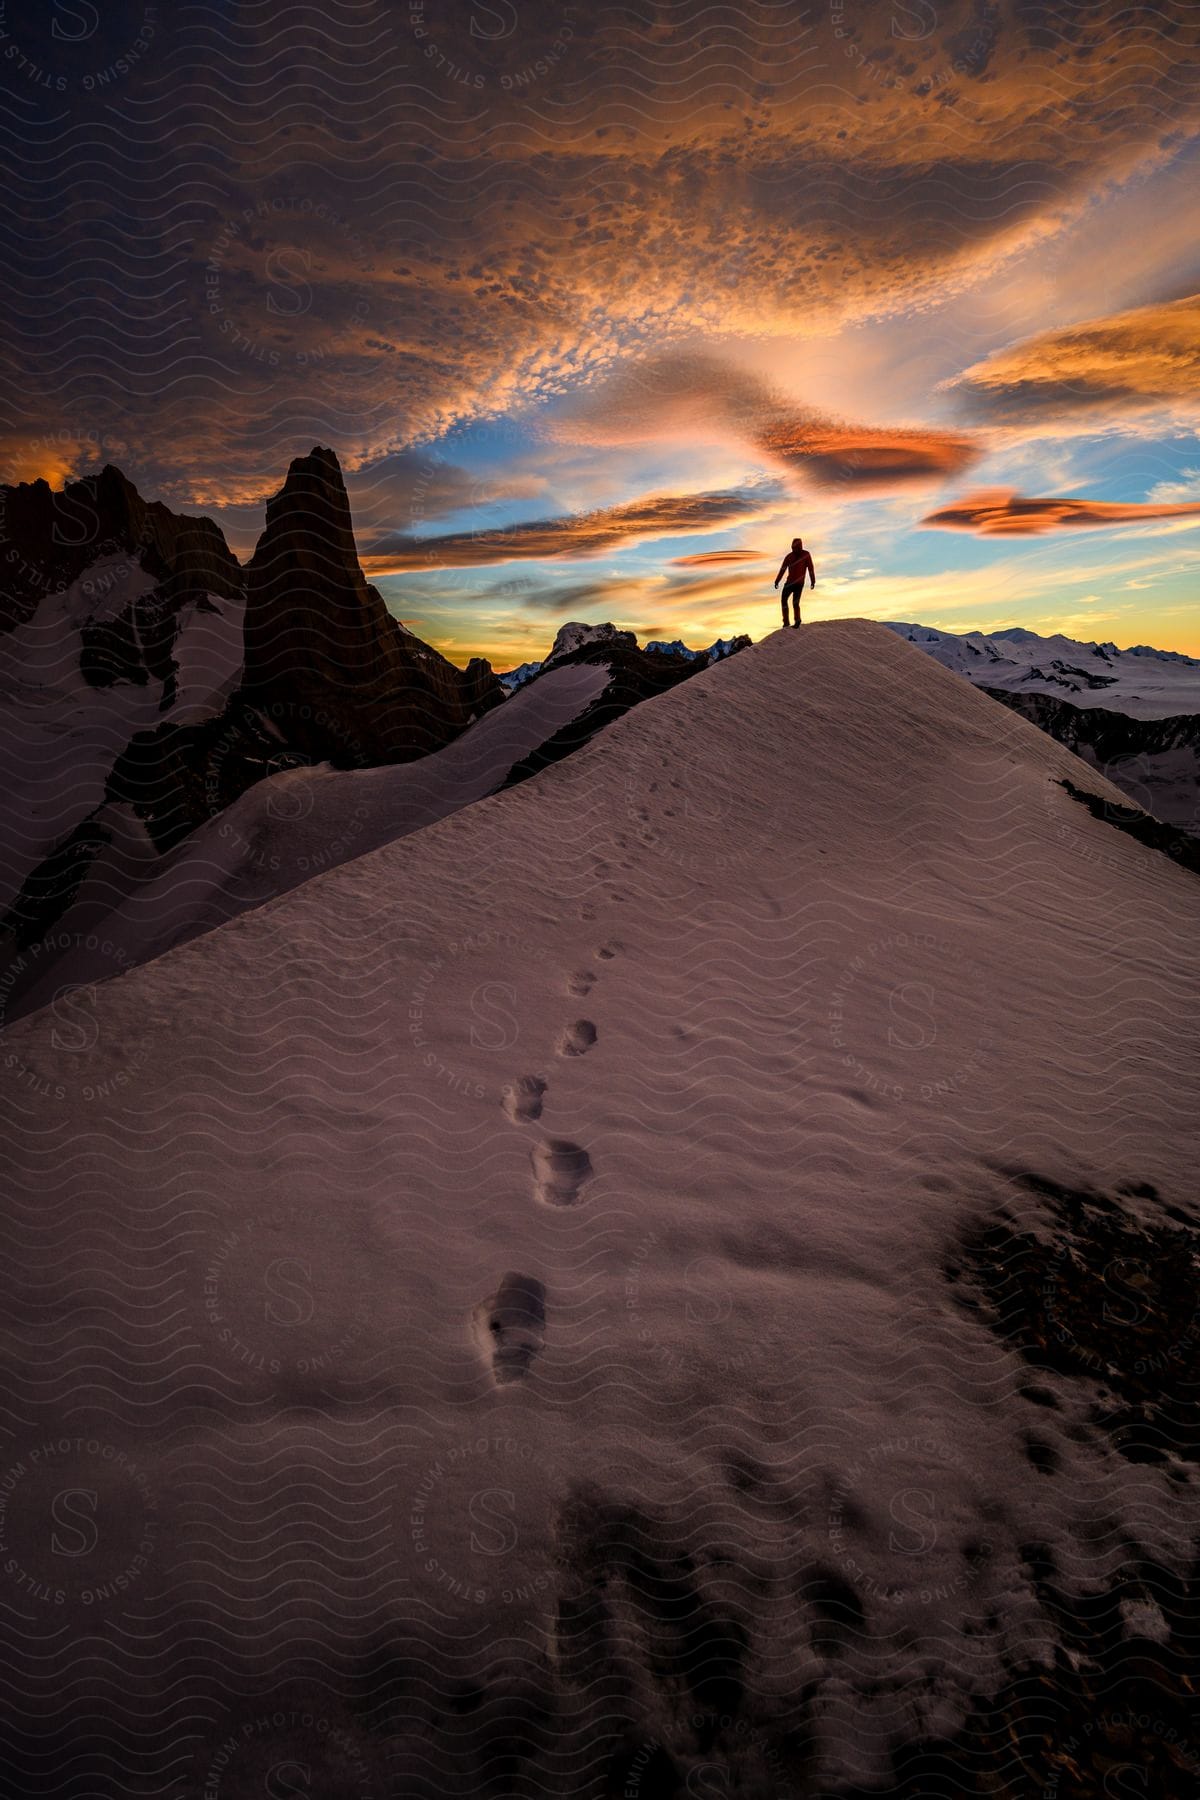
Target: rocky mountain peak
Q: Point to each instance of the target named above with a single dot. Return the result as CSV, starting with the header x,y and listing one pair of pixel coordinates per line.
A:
x,y
49,537
322,646
308,522
575,634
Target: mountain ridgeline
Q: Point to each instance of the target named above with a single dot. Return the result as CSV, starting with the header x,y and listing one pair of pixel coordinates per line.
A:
x,y
317,636
153,681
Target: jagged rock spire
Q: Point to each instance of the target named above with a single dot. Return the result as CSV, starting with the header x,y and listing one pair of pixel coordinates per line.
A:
x,y
321,643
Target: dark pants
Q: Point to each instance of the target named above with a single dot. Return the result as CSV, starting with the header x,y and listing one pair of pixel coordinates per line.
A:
x,y
792,591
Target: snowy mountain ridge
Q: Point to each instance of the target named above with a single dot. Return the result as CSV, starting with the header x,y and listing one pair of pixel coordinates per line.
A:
x,y
1141,681
1134,714
576,635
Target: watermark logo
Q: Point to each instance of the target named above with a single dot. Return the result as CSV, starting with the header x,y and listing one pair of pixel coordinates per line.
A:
x,y
289,725
79,1523
280,1296
483,46
895,1019
81,1052
290,800
894,1496
667,1337
699,819
77,542
1173,799
1122,1754
1068,822
466,1523
77,47
491,974
1140,1292
908,45
289,1753
287,282
729,1755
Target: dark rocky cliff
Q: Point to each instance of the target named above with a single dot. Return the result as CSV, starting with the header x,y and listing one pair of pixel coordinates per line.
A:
x,y
359,687
49,538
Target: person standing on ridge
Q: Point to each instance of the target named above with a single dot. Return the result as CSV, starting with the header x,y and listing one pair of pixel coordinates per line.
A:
x,y
795,565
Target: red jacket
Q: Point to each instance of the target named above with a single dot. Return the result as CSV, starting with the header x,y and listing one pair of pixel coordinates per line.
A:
x,y
797,563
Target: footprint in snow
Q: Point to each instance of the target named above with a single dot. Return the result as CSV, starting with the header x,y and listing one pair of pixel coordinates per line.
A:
x,y
523,1100
581,983
511,1326
560,1169
577,1039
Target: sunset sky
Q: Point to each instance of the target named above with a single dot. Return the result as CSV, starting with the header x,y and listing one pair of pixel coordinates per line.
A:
x,y
601,306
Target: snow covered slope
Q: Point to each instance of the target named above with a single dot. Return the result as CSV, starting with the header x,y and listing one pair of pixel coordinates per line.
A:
x,y
527,1303
1140,682
1132,714
286,829
61,733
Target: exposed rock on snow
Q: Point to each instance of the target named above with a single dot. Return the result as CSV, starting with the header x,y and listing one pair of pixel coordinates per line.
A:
x,y
52,538
632,676
125,623
574,635
1156,762
1180,845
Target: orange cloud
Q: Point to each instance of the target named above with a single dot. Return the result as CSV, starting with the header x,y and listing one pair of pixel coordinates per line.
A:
x,y
574,534
997,512
865,458
704,559
682,397
1134,361
54,457
766,174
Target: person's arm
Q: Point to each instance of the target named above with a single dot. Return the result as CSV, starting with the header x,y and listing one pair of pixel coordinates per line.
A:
x,y
783,565
812,573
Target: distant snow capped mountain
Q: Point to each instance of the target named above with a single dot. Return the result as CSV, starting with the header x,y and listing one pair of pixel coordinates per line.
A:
x,y
1142,682
1162,655
715,651
575,636
1134,714
512,679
